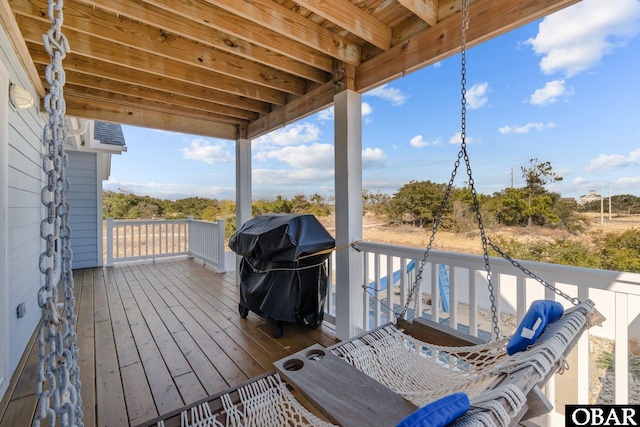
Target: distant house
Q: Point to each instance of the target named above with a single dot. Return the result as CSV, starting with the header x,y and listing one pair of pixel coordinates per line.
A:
x,y
90,145
591,196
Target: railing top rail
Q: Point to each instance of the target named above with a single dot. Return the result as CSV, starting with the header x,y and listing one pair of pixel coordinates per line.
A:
x,y
200,221
614,281
148,221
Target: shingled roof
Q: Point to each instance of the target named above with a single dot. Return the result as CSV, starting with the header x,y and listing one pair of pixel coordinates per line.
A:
x,y
108,133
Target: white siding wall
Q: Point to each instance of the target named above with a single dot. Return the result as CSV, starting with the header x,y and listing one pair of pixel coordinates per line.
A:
x,y
83,200
23,210
4,247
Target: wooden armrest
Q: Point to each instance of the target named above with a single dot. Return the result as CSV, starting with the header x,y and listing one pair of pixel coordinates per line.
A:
x,y
435,333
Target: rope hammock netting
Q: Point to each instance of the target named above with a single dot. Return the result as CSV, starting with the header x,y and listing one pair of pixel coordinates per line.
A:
x,y
418,371
423,372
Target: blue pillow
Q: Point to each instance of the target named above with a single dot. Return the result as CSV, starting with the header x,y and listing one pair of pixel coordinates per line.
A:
x,y
440,413
541,313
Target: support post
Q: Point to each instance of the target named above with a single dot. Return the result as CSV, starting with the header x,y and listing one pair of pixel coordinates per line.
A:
x,y
348,191
243,188
221,246
109,242
190,235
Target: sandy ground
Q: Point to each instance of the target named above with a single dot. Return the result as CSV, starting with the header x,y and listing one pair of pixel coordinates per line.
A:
x,y
374,230
602,383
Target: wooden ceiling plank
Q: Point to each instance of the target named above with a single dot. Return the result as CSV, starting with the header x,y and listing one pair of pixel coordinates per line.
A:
x,y
74,78
93,95
427,10
297,63
86,45
139,116
312,102
11,28
128,58
281,20
353,19
106,25
191,20
488,19
104,70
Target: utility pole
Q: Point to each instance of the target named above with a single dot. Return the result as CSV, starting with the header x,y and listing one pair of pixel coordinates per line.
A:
x,y
511,177
601,202
609,200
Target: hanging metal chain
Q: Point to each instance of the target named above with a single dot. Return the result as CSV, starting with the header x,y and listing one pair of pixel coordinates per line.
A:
x,y
476,206
516,264
463,149
58,384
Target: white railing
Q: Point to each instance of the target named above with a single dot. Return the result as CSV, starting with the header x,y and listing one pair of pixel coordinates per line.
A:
x,y
129,240
206,242
616,294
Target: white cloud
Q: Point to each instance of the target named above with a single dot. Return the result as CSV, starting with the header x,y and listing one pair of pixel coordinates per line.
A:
x,y
477,95
296,177
366,109
581,181
505,130
373,158
394,95
457,139
550,93
314,156
327,114
320,156
208,152
629,182
612,161
169,191
418,141
576,38
296,134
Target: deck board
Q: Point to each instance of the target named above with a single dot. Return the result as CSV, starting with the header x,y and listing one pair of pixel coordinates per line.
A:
x,y
154,337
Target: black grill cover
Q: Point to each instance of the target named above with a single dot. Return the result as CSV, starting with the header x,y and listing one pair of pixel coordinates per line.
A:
x,y
274,281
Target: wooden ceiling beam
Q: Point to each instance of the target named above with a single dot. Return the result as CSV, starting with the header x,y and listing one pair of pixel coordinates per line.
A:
x,y
105,25
488,20
427,10
93,47
97,96
139,116
192,20
144,94
104,70
281,20
312,102
8,22
297,63
353,19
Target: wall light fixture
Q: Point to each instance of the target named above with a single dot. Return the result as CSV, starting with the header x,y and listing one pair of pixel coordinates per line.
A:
x,y
20,97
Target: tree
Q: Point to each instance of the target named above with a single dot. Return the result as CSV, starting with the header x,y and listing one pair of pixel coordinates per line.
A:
x,y
418,202
570,219
619,251
625,204
536,175
511,207
374,203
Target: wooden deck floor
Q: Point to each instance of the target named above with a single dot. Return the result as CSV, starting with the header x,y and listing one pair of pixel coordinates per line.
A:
x,y
154,337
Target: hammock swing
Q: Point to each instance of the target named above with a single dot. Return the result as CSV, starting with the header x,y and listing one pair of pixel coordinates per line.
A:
x,y
423,372
397,373
393,368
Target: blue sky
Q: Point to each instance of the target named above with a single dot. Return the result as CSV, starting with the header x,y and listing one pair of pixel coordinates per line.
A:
x,y
563,90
